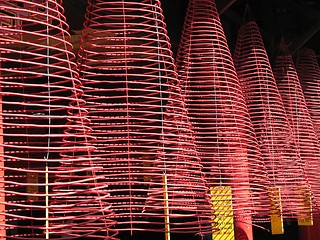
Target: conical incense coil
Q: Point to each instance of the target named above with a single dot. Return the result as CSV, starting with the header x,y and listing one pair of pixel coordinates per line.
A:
x,y
267,113
137,115
50,186
300,121
309,75
224,134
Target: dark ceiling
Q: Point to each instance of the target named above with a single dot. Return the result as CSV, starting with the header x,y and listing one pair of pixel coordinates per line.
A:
x,y
297,21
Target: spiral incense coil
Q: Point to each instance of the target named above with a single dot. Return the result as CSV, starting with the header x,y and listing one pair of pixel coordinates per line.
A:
x,y
309,75
50,186
137,114
300,121
224,134
271,124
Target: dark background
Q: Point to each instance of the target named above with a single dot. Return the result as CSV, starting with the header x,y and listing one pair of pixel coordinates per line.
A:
x,y
297,21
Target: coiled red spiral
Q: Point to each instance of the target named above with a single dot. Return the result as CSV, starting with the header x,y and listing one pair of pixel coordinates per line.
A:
x,y
309,75
137,114
267,113
50,186
300,121
224,134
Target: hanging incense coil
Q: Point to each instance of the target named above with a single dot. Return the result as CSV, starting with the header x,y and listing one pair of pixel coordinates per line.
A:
x,y
137,114
309,75
271,124
299,118
50,186
224,135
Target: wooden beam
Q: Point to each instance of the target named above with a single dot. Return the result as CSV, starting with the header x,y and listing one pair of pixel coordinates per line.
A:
x,y
223,6
302,39
166,207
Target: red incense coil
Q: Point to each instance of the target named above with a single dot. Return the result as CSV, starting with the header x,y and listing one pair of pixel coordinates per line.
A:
x,y
224,134
138,117
269,119
309,75
180,163
50,186
299,118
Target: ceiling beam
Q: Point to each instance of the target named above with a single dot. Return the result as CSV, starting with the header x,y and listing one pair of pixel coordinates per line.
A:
x,y
298,43
223,5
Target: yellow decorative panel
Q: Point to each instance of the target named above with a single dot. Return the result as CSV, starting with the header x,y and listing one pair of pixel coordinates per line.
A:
x,y
221,198
276,211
